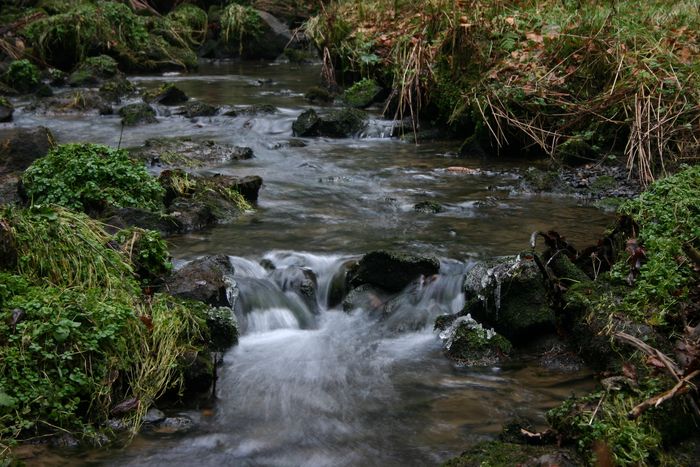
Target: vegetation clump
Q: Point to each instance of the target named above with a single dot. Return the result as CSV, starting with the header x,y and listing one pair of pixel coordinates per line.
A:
x,y
90,178
238,23
22,75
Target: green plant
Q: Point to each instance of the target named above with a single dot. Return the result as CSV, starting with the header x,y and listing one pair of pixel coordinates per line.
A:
x,y
186,24
91,177
240,22
22,75
147,252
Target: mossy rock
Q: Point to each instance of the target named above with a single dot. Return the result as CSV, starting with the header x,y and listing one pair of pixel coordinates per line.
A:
x,y
22,75
469,343
539,180
167,94
429,207
194,109
392,270
223,329
343,123
114,89
93,70
319,95
20,147
362,94
137,114
306,124
602,183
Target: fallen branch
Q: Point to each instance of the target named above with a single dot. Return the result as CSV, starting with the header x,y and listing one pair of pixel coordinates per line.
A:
x,y
682,387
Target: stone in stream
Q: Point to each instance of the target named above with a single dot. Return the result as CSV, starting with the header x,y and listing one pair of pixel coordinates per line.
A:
x,y
299,280
136,114
469,343
362,94
306,124
121,218
114,89
341,123
206,279
184,153
167,94
195,108
392,271
19,147
93,70
508,294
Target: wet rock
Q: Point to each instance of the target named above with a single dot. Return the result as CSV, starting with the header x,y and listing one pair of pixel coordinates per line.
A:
x,y
191,214
469,343
343,123
6,110
199,372
319,95
9,192
79,101
117,424
299,280
511,297
366,297
121,218
306,124
473,146
510,454
248,186
392,271
253,110
340,286
185,153
195,108
206,279
19,147
174,425
362,94
137,114
167,94
153,416
428,207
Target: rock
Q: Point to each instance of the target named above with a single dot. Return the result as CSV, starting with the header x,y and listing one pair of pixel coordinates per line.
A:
x,y
191,214
19,147
366,297
73,101
306,124
469,343
272,41
319,95
511,454
511,297
428,207
253,110
195,108
248,186
136,114
339,286
576,151
343,123
9,192
184,153
362,94
167,94
223,328
299,280
473,146
6,110
206,279
120,218
199,372
392,271
153,416
173,425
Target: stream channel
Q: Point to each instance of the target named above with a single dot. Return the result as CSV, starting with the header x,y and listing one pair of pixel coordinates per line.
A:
x,y
337,388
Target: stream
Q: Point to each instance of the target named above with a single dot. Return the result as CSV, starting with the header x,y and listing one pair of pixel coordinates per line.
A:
x,y
309,385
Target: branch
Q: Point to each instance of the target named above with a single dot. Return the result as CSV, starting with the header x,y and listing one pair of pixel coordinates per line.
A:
x,y
682,387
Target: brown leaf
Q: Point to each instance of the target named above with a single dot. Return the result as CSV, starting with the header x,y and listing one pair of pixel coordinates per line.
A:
x,y
128,405
534,37
629,371
510,20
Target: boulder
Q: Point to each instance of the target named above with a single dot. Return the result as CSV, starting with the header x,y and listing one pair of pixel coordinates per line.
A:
x,y
114,89
339,286
319,95
82,100
167,94
366,297
93,70
510,297
223,328
19,147
428,207
343,123
392,271
252,110
195,108
6,110
362,94
9,192
191,214
306,124
207,279
136,114
121,218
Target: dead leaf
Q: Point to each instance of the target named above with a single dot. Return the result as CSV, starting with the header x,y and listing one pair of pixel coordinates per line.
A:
x,y
534,37
463,170
510,20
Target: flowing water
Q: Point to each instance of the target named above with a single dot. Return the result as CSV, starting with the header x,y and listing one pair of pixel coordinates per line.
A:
x,y
309,385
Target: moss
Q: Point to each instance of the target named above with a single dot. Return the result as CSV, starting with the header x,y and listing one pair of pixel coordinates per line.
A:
x,y
188,23
92,70
603,183
22,75
469,342
498,454
430,207
114,89
540,180
147,252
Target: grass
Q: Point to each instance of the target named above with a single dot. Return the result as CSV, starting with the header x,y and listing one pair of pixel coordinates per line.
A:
x,y
534,73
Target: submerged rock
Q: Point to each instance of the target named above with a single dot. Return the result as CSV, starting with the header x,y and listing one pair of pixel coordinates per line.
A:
x,y
392,271
511,297
194,109
184,153
136,114
299,280
207,279
429,207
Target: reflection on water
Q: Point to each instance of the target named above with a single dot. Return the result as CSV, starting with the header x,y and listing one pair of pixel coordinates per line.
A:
x,y
335,388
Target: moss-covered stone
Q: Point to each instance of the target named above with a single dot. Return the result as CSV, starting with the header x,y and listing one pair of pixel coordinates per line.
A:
x,y
319,95
429,207
22,75
469,343
137,114
93,70
114,89
362,94
167,94
6,110
306,124
343,123
392,270
195,108
538,180
501,454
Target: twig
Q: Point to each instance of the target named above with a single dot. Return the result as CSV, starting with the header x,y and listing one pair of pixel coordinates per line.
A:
x,y
682,387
